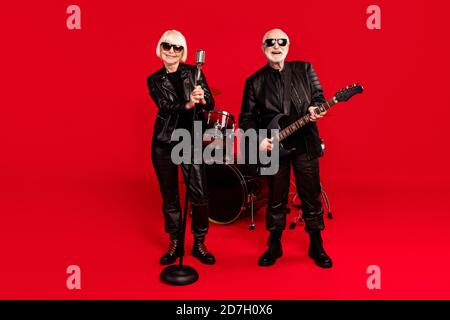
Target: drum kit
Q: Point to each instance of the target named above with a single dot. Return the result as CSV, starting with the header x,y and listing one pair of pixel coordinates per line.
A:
x,y
235,190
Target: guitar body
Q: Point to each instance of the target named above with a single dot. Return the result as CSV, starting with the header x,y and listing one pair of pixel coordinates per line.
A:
x,y
275,124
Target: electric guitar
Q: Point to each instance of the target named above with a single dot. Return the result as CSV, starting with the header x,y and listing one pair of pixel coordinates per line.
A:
x,y
340,96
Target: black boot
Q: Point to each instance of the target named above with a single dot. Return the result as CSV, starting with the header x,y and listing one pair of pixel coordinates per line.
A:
x,y
200,251
172,253
274,252
317,252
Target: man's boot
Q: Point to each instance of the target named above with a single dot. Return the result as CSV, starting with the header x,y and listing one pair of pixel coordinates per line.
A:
x,y
274,252
317,252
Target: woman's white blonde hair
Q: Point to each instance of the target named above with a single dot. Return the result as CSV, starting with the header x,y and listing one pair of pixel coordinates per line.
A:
x,y
173,37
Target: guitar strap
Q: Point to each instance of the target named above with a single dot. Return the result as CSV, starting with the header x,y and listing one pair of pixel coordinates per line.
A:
x,y
287,78
297,104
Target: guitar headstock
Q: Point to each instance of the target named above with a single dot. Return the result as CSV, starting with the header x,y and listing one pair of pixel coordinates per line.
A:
x,y
346,93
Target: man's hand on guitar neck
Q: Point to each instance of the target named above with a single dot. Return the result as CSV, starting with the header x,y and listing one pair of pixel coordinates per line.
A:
x,y
313,116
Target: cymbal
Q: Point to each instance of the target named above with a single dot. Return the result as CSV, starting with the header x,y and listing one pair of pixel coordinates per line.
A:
x,y
215,91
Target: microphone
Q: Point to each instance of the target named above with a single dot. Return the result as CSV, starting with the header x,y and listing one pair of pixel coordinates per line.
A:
x,y
200,61
200,57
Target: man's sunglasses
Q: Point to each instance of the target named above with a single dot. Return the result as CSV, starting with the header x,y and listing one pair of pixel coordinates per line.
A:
x,y
167,46
271,42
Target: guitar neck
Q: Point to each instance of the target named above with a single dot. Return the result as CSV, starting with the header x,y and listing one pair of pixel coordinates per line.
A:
x,y
286,132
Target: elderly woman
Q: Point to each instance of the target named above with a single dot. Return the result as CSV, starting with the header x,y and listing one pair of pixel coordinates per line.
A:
x,y
179,100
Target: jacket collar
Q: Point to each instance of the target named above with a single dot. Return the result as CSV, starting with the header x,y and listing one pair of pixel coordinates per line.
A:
x,y
184,75
286,67
286,78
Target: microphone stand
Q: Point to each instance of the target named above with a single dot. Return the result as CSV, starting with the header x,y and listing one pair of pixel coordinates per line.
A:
x,y
180,275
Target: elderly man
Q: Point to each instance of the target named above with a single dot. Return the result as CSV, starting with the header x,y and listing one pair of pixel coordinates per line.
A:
x,y
291,88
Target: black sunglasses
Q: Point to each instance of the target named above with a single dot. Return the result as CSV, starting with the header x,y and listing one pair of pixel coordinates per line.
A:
x,y
167,46
271,42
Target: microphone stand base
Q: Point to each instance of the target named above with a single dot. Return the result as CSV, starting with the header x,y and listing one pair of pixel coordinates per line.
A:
x,y
177,275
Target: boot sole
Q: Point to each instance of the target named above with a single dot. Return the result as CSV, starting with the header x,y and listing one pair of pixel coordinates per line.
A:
x,y
204,262
266,264
168,263
328,266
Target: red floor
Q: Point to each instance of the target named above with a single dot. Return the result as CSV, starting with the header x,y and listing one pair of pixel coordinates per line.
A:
x,y
112,229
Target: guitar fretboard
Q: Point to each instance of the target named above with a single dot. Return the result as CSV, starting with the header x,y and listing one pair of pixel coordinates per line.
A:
x,y
286,132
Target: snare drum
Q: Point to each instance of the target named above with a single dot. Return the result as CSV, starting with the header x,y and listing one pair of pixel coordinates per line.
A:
x,y
217,122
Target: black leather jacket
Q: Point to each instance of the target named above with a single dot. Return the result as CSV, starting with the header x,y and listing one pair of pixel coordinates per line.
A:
x,y
305,91
169,104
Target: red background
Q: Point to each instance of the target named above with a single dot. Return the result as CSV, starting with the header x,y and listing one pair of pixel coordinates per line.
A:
x,y
77,185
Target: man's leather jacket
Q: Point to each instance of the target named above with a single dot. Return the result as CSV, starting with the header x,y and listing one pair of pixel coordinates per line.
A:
x,y
305,91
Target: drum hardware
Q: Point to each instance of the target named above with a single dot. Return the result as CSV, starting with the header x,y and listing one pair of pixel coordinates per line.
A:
x,y
251,199
298,218
327,203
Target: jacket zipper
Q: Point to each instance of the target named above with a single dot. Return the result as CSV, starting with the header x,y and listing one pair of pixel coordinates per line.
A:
x,y
303,132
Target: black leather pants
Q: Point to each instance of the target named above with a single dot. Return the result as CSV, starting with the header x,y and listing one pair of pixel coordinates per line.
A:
x,y
167,173
307,181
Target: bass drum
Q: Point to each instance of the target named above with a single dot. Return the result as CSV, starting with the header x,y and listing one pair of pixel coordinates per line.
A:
x,y
231,191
